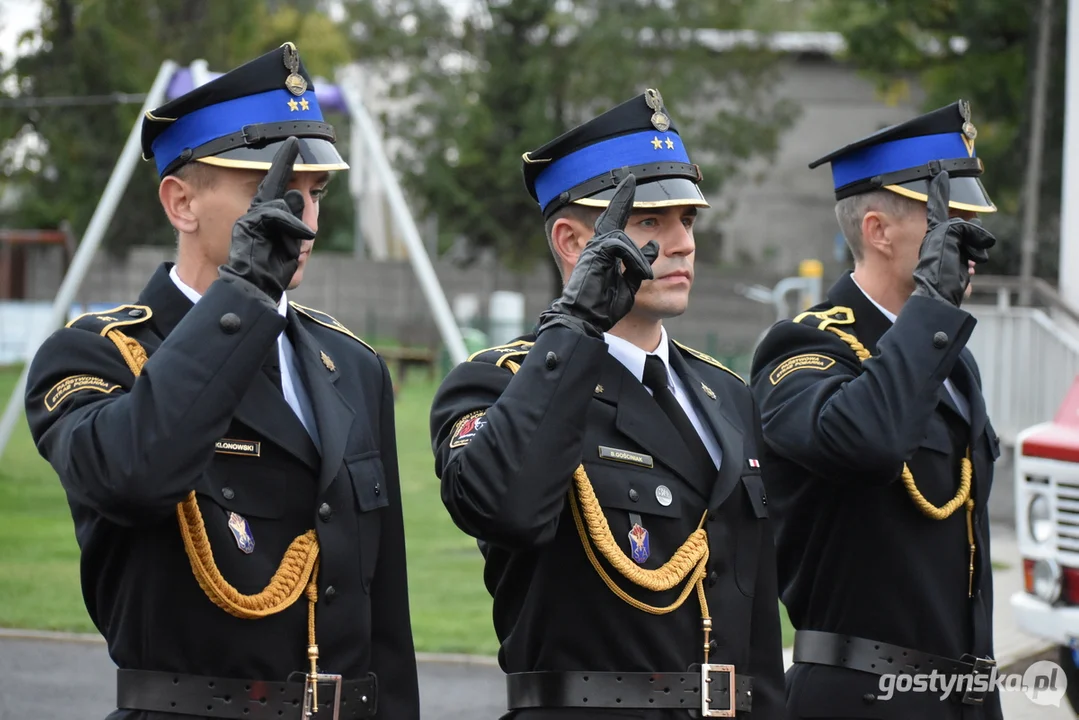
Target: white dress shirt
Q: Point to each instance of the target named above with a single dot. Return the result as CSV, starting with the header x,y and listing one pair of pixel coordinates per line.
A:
x,y
633,358
295,393
960,401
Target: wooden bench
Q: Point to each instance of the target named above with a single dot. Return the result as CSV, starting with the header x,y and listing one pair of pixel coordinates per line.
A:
x,y
401,359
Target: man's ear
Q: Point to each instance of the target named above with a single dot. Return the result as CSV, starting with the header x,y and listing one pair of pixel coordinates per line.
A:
x,y
875,225
176,196
568,238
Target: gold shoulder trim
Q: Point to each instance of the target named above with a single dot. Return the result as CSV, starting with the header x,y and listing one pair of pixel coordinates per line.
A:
x,y
703,357
327,320
823,318
499,354
104,321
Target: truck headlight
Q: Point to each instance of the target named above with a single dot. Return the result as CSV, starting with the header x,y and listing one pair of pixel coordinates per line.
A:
x,y
1047,580
1038,518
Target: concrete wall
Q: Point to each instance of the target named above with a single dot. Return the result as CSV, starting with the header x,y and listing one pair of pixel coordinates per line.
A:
x,y
789,214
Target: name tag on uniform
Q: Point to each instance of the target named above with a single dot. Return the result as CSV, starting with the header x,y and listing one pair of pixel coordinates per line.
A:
x,y
249,448
626,456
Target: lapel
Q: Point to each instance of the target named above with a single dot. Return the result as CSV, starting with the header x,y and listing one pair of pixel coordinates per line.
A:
x,y
963,379
717,414
263,408
333,414
639,418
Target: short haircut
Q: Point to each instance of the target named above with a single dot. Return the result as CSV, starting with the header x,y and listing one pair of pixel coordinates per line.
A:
x,y
581,213
850,212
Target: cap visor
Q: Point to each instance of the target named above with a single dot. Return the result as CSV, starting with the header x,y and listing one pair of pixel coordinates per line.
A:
x,y
315,155
668,192
967,193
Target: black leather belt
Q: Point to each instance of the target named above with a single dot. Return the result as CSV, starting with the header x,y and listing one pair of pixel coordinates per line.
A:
x,y
879,658
634,690
247,699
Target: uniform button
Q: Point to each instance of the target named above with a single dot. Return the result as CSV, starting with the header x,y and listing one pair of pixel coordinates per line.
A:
x,y
227,493
711,517
230,322
713,578
135,313
552,360
378,489
331,591
940,339
325,511
633,495
869,698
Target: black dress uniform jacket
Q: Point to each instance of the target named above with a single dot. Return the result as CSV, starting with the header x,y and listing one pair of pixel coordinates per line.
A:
x,y
505,480
856,554
204,416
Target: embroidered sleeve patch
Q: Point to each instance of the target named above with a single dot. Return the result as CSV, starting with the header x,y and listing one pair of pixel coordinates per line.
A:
x,y
466,428
74,384
810,361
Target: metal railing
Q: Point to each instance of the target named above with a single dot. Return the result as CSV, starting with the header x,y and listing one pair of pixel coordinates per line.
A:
x,y
1028,355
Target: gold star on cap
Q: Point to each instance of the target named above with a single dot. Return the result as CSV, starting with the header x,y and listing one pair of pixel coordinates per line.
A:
x,y
670,144
293,106
327,361
657,143
304,104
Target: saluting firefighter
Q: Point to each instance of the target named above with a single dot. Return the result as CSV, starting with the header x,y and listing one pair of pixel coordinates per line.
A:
x,y
879,449
611,474
229,456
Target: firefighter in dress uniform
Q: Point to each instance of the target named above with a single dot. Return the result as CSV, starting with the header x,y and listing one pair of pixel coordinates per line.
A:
x,y
878,444
229,455
610,473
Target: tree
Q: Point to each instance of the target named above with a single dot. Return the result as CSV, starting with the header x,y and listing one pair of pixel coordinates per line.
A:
x,y
476,91
982,51
91,49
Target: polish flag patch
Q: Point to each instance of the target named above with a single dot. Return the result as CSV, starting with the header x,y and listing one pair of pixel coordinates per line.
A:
x,y
754,463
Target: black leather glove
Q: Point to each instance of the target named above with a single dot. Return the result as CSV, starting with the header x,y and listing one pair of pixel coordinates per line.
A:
x,y
598,294
942,271
266,240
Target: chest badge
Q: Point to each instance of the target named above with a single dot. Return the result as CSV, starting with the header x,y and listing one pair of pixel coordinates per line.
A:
x,y
241,530
638,543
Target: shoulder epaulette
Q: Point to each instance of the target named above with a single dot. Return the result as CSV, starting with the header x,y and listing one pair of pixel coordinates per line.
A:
x,y
708,359
501,353
824,318
102,322
329,321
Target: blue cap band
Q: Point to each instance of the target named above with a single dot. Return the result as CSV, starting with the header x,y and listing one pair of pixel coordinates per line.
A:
x,y
589,162
897,155
225,118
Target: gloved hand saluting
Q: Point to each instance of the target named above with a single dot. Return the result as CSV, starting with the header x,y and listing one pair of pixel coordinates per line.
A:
x,y
942,272
598,293
266,241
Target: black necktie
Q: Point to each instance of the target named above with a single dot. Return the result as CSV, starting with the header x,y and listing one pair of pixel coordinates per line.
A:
x,y
272,367
655,378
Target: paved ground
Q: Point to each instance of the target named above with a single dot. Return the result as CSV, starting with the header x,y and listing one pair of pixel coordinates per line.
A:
x,y
72,678
64,680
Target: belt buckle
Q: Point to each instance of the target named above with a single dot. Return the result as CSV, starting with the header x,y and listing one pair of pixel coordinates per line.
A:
x,y
706,696
970,696
310,708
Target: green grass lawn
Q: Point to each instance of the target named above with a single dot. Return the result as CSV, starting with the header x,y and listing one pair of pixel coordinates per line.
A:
x,y
39,560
